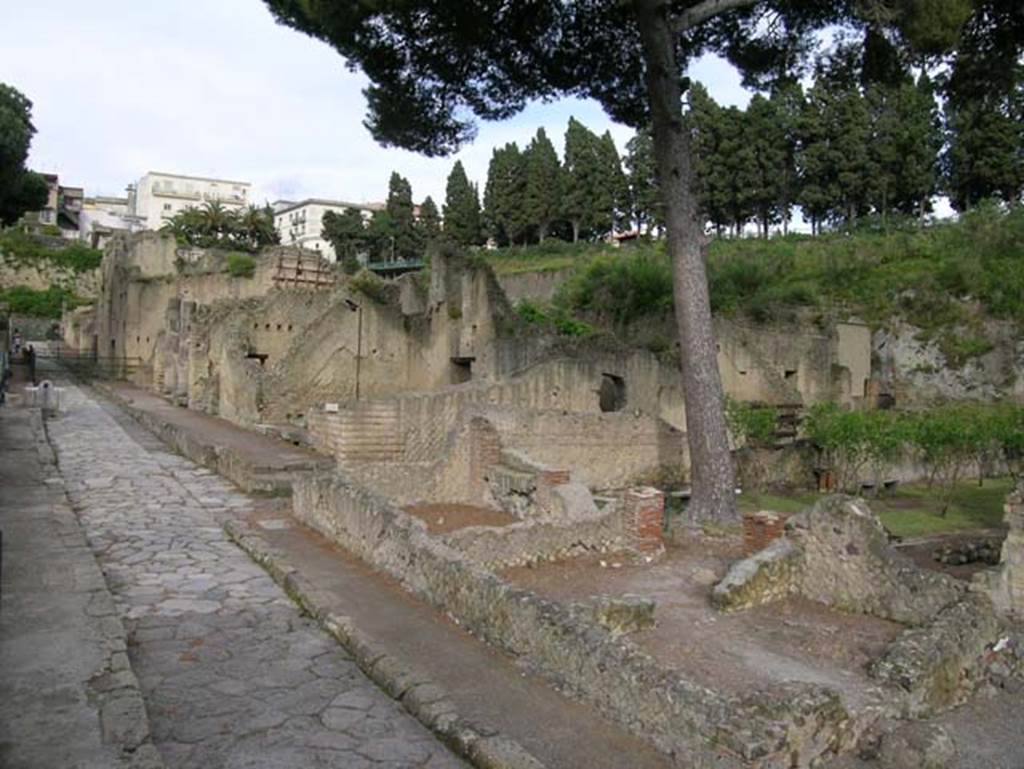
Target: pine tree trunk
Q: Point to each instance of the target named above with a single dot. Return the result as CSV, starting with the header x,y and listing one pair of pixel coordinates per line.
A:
x,y
711,468
542,231
575,231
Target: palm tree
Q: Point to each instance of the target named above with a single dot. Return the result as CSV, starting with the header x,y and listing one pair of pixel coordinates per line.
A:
x,y
256,227
216,220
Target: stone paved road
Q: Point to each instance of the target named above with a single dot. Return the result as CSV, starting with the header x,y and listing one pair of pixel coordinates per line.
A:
x,y
232,674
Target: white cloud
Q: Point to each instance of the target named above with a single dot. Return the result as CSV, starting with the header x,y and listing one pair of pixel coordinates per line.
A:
x,y
121,87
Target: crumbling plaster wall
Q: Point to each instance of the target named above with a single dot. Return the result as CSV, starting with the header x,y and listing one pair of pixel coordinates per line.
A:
x,y
270,358
142,275
550,412
794,365
602,450
78,329
244,349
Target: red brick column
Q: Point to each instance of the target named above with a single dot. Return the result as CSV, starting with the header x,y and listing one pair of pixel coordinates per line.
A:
x,y
644,516
547,480
761,528
484,452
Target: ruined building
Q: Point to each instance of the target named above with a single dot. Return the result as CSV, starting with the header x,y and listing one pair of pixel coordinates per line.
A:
x,y
421,355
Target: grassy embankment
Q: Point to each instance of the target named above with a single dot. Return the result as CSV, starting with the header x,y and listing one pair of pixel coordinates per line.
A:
x,y
20,250
946,278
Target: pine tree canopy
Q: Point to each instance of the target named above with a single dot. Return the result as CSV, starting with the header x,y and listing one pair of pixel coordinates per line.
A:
x,y
432,65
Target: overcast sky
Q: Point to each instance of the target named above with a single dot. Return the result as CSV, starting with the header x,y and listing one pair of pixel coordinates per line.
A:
x,y
216,88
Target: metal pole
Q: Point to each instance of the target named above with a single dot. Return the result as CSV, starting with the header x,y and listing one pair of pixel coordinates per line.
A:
x,y
359,346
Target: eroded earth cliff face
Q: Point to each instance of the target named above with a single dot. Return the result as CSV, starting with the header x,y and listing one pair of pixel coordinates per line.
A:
x,y
40,275
917,368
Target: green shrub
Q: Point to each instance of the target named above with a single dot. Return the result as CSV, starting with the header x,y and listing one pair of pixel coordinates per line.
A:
x,y
557,318
371,285
241,265
756,425
23,300
947,440
620,287
21,248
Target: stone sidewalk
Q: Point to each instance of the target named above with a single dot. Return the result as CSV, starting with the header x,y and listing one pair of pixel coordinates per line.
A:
x,y
232,674
68,696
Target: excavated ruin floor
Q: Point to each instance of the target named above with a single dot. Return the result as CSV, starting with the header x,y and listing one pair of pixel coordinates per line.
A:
x,y
794,640
922,551
445,518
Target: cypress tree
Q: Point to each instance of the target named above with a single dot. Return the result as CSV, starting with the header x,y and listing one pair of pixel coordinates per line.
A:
x,y
347,235
904,147
851,137
766,139
922,144
505,196
612,203
705,122
886,146
543,184
407,241
462,209
788,100
430,221
580,178
819,185
644,197
733,168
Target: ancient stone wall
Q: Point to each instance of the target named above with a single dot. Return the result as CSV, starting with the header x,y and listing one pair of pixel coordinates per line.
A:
x,y
539,539
78,329
142,275
837,553
843,559
1006,584
603,450
551,413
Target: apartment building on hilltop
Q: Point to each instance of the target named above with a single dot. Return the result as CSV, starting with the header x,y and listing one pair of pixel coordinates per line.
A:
x,y
301,223
157,197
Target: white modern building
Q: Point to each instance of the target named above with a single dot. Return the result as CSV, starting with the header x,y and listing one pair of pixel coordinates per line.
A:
x,y
301,223
103,216
156,197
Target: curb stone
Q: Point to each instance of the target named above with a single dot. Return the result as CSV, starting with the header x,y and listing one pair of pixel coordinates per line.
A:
x,y
424,699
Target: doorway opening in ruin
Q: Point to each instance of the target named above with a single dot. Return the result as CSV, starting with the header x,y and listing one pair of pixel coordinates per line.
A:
x,y
462,370
260,356
611,396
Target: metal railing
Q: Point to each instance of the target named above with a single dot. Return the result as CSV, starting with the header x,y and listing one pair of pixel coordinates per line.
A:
x,y
86,366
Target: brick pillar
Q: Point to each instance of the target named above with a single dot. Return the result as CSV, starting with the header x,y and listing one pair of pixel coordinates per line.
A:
x,y
761,528
484,452
546,480
644,516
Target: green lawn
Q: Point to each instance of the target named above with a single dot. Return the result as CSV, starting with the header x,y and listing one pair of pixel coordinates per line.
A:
x,y
912,510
